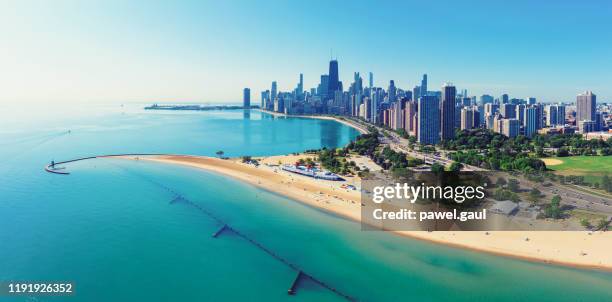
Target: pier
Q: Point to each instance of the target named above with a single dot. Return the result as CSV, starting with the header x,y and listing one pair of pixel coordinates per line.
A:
x,y
52,169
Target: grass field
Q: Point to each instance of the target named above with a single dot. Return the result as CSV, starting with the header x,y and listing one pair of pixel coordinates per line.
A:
x,y
592,167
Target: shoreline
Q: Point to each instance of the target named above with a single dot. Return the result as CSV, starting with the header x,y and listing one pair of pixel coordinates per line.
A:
x,y
321,117
560,249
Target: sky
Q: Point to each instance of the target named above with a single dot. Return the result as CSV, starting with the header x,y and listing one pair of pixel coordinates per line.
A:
x,y
208,51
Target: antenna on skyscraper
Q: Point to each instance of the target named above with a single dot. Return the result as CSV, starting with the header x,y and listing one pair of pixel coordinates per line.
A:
x,y
331,54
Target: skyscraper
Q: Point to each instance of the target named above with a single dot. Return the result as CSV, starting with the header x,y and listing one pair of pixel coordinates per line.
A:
x,y
376,99
392,91
246,98
555,115
416,93
301,84
265,99
467,118
530,121
371,80
504,98
409,117
507,110
511,127
424,85
447,112
585,107
274,92
486,99
334,81
520,113
539,115
531,101
357,86
428,132
323,86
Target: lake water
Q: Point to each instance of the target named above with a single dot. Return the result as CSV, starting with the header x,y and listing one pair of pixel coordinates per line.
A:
x,y
112,229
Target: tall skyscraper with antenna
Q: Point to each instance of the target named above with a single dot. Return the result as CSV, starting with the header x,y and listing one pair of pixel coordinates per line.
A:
x,y
334,81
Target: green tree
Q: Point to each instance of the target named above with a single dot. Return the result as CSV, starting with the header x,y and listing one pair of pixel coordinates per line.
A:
x,y
437,168
455,167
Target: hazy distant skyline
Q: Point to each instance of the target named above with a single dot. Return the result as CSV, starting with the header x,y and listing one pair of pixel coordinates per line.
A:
x,y
199,51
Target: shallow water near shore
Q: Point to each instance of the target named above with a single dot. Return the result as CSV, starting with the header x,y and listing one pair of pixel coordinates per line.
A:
x,y
111,229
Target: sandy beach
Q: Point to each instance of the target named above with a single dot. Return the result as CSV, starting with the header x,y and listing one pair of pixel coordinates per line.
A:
x,y
580,249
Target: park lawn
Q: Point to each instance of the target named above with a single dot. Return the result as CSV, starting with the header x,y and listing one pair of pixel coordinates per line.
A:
x,y
591,167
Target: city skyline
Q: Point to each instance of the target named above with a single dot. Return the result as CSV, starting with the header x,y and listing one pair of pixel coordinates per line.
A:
x,y
209,51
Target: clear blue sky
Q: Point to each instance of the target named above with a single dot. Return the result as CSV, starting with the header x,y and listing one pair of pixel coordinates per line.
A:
x,y
209,50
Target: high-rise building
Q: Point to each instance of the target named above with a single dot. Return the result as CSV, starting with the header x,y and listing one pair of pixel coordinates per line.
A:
x,y
367,104
467,118
323,86
246,98
355,103
334,81
274,91
376,100
424,85
586,104
511,127
371,80
486,99
301,84
428,130
398,115
530,124
409,117
507,110
392,91
599,121
520,113
531,101
539,115
504,98
265,99
555,115
357,86
447,112
490,109
416,93
586,126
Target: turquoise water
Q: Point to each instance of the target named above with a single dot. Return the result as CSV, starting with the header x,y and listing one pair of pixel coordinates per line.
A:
x,y
112,231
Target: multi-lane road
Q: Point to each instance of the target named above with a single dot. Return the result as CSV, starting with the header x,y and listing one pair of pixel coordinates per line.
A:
x,y
569,196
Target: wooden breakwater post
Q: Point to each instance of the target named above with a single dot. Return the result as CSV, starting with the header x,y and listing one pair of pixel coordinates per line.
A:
x,y
219,231
293,289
